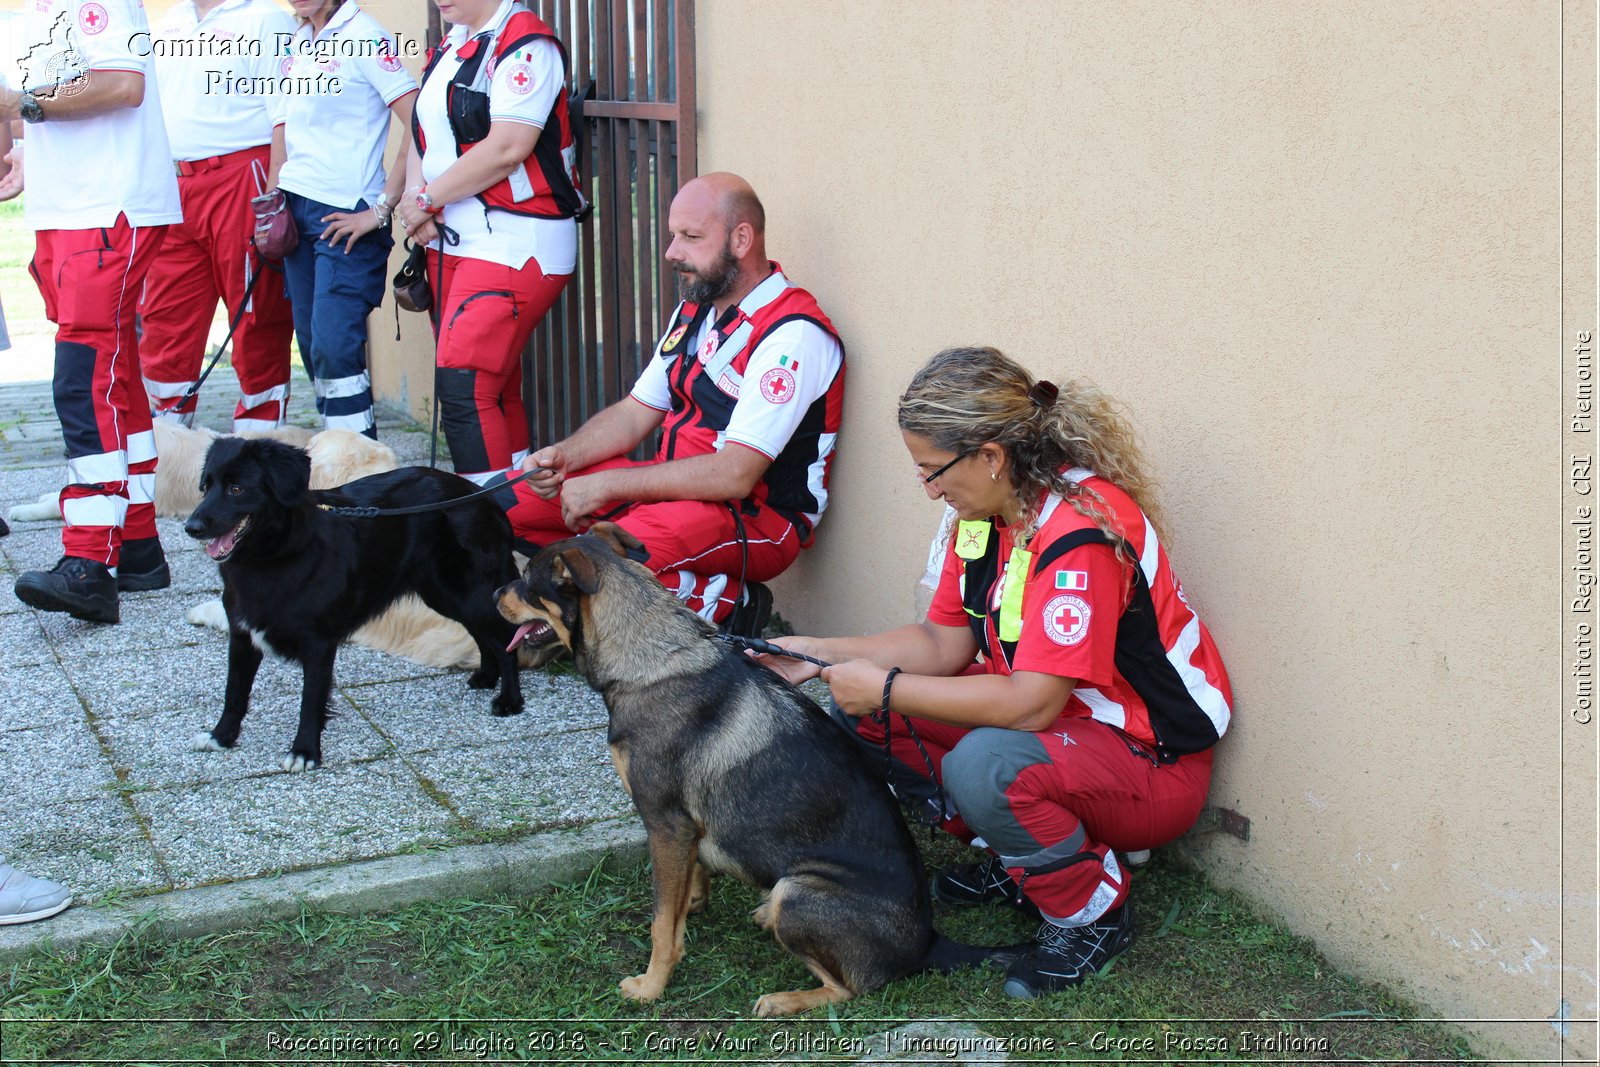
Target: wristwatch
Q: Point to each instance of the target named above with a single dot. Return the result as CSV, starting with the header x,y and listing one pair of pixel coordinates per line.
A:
x,y
28,108
425,202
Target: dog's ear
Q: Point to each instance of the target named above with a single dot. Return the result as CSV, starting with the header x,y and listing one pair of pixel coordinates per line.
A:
x,y
575,565
621,541
286,474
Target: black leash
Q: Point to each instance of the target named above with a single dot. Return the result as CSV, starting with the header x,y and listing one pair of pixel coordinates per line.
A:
x,y
353,512
881,716
238,317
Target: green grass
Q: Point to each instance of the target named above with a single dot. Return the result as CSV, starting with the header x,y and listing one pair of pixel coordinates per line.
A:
x,y
535,979
24,306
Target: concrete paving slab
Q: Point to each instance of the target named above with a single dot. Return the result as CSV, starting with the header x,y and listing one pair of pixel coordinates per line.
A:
x,y
190,677
21,637
152,751
553,780
441,712
95,847
218,832
37,696
148,623
26,757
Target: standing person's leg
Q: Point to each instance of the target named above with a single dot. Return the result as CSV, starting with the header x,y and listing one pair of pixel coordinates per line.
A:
x,y
261,340
175,310
346,287
91,280
300,282
487,313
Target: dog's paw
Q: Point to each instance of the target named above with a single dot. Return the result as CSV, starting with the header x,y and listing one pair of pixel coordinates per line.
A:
x,y
294,763
502,706
205,742
640,987
483,678
208,613
46,509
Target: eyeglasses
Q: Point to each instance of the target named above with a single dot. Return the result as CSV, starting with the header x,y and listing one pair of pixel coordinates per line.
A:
x,y
929,480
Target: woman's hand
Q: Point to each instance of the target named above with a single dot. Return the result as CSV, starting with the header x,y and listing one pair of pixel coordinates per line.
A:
x,y
425,234
412,218
857,686
793,671
349,227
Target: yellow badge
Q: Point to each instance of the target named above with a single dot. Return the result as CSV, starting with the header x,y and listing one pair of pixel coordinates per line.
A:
x,y
674,337
972,538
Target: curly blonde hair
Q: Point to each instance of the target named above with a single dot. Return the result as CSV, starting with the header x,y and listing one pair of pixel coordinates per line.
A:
x,y
966,397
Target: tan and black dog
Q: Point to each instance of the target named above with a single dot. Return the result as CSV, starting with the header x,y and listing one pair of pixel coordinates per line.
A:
x,y
734,771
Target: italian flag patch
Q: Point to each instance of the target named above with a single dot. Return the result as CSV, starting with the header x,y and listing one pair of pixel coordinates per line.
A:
x,y
1075,580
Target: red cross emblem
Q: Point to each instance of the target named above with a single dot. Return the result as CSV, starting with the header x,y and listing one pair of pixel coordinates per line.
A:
x,y
777,385
520,79
1066,619
92,18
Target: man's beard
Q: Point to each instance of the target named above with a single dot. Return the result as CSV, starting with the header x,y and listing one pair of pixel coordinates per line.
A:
x,y
703,287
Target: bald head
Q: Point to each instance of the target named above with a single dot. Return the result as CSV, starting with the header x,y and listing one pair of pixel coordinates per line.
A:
x,y
727,196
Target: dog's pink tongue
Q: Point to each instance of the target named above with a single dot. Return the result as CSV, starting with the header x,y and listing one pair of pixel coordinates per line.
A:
x,y
220,546
522,631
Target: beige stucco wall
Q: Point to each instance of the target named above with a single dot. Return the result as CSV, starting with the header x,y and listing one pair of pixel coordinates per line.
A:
x,y
1315,248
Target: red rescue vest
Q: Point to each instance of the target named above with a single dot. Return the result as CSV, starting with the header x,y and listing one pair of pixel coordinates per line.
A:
x,y
545,185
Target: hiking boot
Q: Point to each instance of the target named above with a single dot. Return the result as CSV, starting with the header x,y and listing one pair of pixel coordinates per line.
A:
x,y
980,883
24,898
1065,955
143,566
82,588
749,616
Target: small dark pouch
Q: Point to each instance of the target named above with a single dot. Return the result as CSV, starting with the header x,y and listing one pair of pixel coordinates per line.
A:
x,y
411,289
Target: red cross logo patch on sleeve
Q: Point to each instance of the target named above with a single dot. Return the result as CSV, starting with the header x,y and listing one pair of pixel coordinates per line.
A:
x,y
389,62
777,385
92,19
519,76
1066,619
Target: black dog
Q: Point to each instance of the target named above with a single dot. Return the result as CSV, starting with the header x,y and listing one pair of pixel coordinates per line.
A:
x,y
734,771
300,579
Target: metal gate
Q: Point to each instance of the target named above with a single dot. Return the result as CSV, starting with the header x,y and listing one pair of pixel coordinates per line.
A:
x,y
638,137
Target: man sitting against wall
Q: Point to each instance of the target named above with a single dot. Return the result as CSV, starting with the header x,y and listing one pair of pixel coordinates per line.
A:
x,y
747,388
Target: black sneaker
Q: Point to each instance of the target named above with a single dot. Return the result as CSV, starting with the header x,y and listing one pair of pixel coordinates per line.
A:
x,y
749,616
82,588
1066,955
143,566
980,883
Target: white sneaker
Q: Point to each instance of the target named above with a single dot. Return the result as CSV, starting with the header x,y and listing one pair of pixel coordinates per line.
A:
x,y
24,898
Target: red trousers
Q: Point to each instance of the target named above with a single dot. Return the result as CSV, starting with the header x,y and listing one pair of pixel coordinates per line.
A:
x,y
209,255
90,282
487,312
695,547
1053,805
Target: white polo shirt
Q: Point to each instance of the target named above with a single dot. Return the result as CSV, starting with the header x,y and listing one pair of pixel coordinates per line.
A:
x,y
83,173
219,75
522,88
340,84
